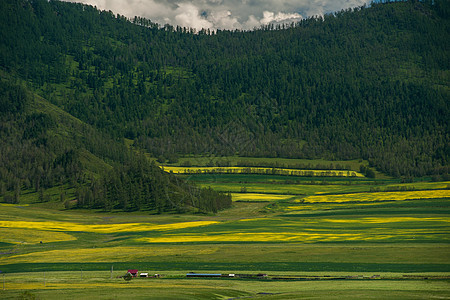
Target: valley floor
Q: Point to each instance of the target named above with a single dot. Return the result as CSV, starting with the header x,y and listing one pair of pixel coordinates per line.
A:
x,y
99,285
321,237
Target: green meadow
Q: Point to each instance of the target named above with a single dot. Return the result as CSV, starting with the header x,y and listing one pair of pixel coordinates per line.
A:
x,y
100,285
278,225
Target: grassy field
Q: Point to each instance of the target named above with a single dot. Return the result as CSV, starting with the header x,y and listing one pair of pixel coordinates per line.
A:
x,y
295,185
100,285
278,225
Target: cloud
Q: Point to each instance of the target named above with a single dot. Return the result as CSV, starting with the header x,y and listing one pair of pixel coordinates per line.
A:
x,y
223,14
270,17
188,15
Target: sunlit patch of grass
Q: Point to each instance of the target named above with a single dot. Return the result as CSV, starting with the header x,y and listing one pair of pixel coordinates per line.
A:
x,y
30,236
103,254
253,219
420,185
326,206
95,285
304,207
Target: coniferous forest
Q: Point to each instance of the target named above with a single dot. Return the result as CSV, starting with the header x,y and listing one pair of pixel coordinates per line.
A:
x,y
366,83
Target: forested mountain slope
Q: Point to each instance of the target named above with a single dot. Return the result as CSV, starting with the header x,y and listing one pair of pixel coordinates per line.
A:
x,y
43,148
368,83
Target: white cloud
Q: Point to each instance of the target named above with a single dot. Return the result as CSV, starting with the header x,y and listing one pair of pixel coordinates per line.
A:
x,y
224,19
188,15
271,17
223,14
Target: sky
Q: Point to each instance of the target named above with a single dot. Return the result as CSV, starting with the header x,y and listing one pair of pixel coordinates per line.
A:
x,y
223,14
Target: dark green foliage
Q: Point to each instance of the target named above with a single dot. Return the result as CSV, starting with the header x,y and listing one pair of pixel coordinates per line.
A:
x,y
140,185
13,98
128,276
31,157
35,155
366,83
368,172
37,124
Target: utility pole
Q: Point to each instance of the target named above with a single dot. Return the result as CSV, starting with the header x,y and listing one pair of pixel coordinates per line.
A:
x,y
112,269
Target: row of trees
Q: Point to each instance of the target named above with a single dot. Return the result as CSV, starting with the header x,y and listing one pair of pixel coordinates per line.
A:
x,y
276,171
143,186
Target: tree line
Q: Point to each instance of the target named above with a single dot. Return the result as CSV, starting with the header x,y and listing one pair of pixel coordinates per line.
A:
x,y
141,185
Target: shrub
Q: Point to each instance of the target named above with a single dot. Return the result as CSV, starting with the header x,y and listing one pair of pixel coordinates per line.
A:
x,y
128,276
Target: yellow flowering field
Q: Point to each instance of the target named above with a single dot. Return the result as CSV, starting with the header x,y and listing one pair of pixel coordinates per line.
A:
x,y
261,170
305,207
312,230
389,220
30,236
259,197
367,235
319,224
104,254
102,228
378,196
